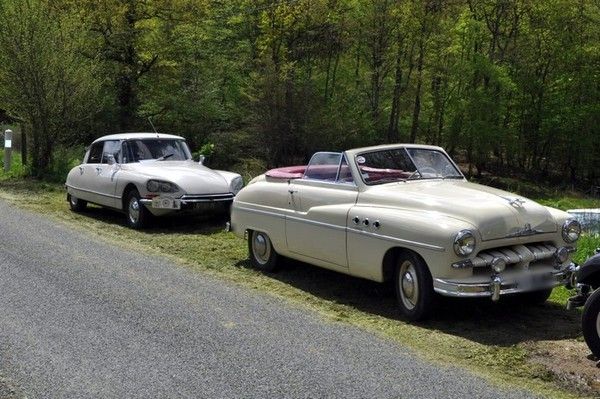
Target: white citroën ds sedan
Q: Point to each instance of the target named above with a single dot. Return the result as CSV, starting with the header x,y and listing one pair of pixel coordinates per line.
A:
x,y
144,174
405,213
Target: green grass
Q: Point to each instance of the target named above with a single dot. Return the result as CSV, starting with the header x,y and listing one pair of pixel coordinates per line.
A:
x,y
492,340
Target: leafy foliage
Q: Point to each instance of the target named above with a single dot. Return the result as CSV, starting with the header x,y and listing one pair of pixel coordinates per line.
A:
x,y
507,86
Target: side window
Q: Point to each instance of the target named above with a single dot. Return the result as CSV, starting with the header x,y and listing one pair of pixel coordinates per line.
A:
x,y
112,147
96,153
345,174
323,166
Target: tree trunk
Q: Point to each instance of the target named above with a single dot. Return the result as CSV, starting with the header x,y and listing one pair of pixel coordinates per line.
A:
x,y
417,108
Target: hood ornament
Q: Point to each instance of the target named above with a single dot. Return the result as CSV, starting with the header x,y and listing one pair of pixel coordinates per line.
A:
x,y
524,231
516,202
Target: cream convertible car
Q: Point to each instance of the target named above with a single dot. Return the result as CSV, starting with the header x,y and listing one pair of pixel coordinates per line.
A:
x,y
146,174
405,213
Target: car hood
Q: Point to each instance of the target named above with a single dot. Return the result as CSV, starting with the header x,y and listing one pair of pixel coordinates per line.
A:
x,y
191,177
493,212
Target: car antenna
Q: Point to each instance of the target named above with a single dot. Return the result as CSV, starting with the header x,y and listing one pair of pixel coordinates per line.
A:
x,y
152,124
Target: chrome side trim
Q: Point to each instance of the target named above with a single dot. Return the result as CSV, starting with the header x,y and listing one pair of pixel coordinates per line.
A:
x,y
316,223
94,192
398,240
258,211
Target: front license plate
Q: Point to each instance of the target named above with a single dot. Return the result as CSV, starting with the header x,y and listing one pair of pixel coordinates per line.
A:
x,y
534,281
165,203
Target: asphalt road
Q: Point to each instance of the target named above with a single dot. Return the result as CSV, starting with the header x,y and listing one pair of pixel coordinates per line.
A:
x,y
82,318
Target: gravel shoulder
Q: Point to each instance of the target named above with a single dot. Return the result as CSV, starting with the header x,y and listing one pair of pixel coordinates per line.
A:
x,y
83,318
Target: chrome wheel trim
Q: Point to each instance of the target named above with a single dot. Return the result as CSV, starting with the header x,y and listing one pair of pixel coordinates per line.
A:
x,y
134,210
261,247
408,285
73,200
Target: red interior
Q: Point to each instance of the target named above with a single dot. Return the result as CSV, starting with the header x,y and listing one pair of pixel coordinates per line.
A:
x,y
289,172
297,172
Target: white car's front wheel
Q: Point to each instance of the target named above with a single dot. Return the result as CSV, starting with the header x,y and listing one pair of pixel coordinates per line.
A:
x,y
262,253
137,214
414,287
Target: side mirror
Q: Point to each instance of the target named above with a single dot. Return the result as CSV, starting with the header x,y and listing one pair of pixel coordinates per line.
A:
x,y
201,159
110,159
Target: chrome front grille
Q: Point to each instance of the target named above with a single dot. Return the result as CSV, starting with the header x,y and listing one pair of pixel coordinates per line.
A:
x,y
192,198
520,255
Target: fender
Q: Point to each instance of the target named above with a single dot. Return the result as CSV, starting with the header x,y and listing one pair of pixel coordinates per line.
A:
x,y
589,272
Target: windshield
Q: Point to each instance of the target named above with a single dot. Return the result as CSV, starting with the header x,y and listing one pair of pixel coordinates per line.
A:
x,y
158,149
401,164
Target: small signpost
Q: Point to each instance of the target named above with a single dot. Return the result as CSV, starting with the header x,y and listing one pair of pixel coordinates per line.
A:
x,y
7,149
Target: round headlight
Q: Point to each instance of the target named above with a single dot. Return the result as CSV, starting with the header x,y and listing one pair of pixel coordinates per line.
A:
x,y
153,186
236,184
571,231
464,243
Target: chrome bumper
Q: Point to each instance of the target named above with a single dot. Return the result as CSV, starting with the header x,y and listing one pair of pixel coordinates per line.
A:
x,y
498,286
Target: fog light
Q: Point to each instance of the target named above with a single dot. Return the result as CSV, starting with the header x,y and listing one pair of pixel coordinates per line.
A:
x,y
562,254
498,265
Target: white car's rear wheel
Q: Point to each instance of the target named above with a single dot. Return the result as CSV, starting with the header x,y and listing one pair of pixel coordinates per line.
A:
x,y
76,204
262,253
414,287
137,214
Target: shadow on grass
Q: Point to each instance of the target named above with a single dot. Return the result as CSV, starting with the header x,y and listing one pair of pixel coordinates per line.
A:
x,y
504,323
176,223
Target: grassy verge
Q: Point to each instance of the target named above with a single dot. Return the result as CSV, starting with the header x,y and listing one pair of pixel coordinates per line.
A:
x,y
502,342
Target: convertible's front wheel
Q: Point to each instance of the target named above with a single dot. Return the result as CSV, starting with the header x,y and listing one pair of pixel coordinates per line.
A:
x,y
262,253
414,287
590,321
76,204
137,214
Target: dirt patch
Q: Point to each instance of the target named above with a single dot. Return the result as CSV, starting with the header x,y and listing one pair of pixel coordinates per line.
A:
x,y
569,361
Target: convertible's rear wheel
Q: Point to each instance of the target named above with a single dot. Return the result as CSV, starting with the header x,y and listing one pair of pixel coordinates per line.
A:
x,y
590,321
76,204
414,287
262,253
137,215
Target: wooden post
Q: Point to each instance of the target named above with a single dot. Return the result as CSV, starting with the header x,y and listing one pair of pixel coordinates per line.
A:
x,y
7,149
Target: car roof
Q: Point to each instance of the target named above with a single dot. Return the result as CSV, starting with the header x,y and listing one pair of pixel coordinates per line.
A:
x,y
127,136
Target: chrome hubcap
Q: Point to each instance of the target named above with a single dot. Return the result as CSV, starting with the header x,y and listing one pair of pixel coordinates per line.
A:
x,y
261,247
73,201
408,285
409,288
134,210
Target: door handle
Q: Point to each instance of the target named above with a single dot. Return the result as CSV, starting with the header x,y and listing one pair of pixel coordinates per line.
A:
x,y
98,169
81,170
292,191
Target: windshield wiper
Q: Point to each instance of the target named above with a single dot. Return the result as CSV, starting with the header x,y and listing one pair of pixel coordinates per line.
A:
x,y
169,155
